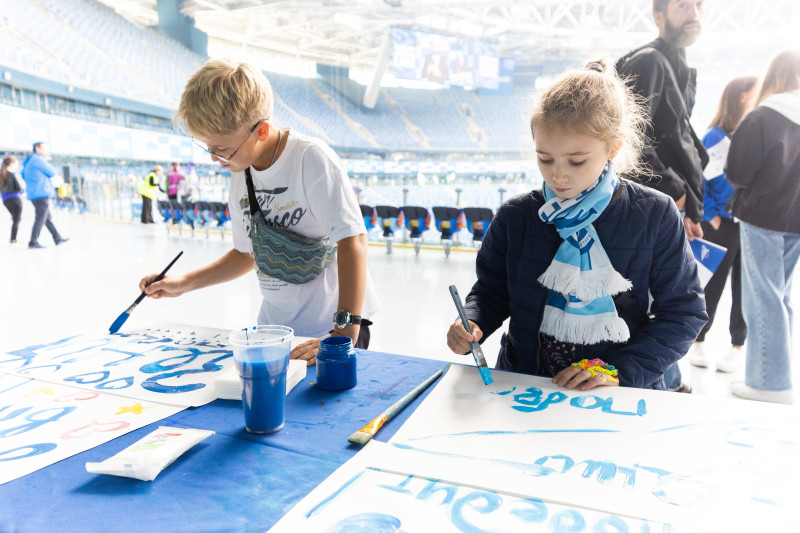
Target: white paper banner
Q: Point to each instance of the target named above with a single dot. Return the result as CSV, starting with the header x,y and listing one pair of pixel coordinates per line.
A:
x,y
175,365
358,497
41,423
716,464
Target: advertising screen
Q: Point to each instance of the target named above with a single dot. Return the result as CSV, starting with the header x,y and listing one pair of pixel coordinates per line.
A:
x,y
444,59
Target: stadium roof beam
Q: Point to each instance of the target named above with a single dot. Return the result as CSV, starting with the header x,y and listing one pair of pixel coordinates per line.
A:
x,y
532,31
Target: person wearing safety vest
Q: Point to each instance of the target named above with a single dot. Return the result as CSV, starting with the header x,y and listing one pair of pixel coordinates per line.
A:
x,y
148,189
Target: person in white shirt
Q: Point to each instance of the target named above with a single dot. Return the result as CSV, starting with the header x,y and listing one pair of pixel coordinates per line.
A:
x,y
301,186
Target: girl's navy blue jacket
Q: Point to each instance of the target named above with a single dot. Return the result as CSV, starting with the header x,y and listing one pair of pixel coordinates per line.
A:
x,y
642,233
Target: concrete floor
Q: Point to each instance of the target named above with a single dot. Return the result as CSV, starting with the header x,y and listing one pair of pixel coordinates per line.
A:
x,y
86,283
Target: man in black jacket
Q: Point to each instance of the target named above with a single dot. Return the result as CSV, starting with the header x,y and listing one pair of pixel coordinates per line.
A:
x,y
659,73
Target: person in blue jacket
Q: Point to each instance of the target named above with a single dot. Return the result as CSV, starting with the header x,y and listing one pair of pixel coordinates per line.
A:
x,y
573,266
720,227
37,171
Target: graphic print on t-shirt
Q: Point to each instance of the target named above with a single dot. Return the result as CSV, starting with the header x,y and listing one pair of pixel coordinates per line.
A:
x,y
284,214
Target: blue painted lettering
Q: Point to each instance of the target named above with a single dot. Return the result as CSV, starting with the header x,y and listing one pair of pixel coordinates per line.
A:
x,y
124,383
153,383
36,422
535,513
35,449
435,486
491,501
610,524
90,377
531,401
401,488
534,403
569,521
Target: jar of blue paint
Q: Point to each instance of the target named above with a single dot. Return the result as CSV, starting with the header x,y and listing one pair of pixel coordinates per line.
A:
x,y
336,364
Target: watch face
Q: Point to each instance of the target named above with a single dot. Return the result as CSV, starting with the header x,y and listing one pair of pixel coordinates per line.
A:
x,y
341,319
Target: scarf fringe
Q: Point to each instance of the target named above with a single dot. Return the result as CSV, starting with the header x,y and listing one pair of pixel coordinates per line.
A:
x,y
585,285
582,329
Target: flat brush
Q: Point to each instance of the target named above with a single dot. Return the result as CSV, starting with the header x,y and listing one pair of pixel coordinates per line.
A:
x,y
365,434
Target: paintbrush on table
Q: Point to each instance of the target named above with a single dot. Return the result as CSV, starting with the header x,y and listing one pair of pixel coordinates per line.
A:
x,y
365,434
126,313
474,347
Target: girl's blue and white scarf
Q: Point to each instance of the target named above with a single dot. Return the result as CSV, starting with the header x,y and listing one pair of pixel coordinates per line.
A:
x,y
581,279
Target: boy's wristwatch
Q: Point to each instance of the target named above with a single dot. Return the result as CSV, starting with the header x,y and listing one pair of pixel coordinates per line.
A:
x,y
343,318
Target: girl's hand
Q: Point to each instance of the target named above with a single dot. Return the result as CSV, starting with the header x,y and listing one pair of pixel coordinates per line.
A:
x,y
458,339
573,377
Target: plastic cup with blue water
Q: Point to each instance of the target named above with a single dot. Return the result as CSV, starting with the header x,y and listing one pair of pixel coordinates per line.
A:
x,y
261,354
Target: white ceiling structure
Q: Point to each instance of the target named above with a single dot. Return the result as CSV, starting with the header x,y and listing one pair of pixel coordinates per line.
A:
x,y
351,32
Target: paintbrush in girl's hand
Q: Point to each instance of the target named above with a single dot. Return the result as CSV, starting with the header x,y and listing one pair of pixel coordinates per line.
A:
x,y
126,313
365,434
475,348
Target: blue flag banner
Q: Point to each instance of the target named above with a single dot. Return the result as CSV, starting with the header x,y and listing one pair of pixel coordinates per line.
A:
x,y
708,256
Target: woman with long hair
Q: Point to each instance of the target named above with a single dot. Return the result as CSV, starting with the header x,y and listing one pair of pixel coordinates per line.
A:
x,y
11,190
719,226
764,169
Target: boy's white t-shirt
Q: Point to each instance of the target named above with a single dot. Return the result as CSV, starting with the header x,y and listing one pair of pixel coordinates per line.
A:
x,y
308,192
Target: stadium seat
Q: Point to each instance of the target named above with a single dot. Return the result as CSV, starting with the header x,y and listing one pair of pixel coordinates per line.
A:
x,y
165,211
417,220
446,220
204,216
388,215
369,216
222,215
190,213
478,219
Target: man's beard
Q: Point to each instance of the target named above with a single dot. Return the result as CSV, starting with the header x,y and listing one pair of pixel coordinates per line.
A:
x,y
681,36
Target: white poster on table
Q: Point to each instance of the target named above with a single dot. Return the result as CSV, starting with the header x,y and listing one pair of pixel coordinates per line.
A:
x,y
41,423
716,464
360,497
173,365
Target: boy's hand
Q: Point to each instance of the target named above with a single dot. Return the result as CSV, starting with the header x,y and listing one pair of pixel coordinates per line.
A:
x,y
573,377
306,351
458,339
170,286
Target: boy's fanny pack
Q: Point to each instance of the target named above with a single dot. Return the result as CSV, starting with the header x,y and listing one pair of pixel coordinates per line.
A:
x,y
281,253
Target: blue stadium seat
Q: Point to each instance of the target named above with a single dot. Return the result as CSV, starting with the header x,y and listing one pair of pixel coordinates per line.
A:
x,y
478,219
446,220
417,220
388,220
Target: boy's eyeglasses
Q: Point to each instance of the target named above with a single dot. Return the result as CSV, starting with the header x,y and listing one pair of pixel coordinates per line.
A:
x,y
226,159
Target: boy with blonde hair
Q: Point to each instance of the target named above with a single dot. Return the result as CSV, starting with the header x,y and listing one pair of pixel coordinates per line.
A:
x,y
303,194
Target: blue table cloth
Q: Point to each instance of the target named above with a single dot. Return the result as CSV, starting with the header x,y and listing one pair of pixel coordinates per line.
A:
x,y
232,481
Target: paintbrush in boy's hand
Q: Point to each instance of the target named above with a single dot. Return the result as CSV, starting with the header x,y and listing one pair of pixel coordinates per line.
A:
x,y
126,313
365,434
475,348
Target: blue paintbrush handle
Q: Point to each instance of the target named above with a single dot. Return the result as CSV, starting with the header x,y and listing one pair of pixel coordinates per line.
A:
x,y
158,278
460,308
474,347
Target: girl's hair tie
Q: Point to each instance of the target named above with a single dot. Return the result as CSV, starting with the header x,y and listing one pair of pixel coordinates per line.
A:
x,y
596,67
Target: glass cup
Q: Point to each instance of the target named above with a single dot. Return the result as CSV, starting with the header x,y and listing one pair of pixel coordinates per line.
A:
x,y
261,354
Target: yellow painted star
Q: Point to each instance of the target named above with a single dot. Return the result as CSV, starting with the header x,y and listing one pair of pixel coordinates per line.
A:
x,y
136,409
45,390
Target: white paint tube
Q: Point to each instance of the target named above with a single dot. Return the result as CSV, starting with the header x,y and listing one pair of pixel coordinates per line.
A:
x,y
147,457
